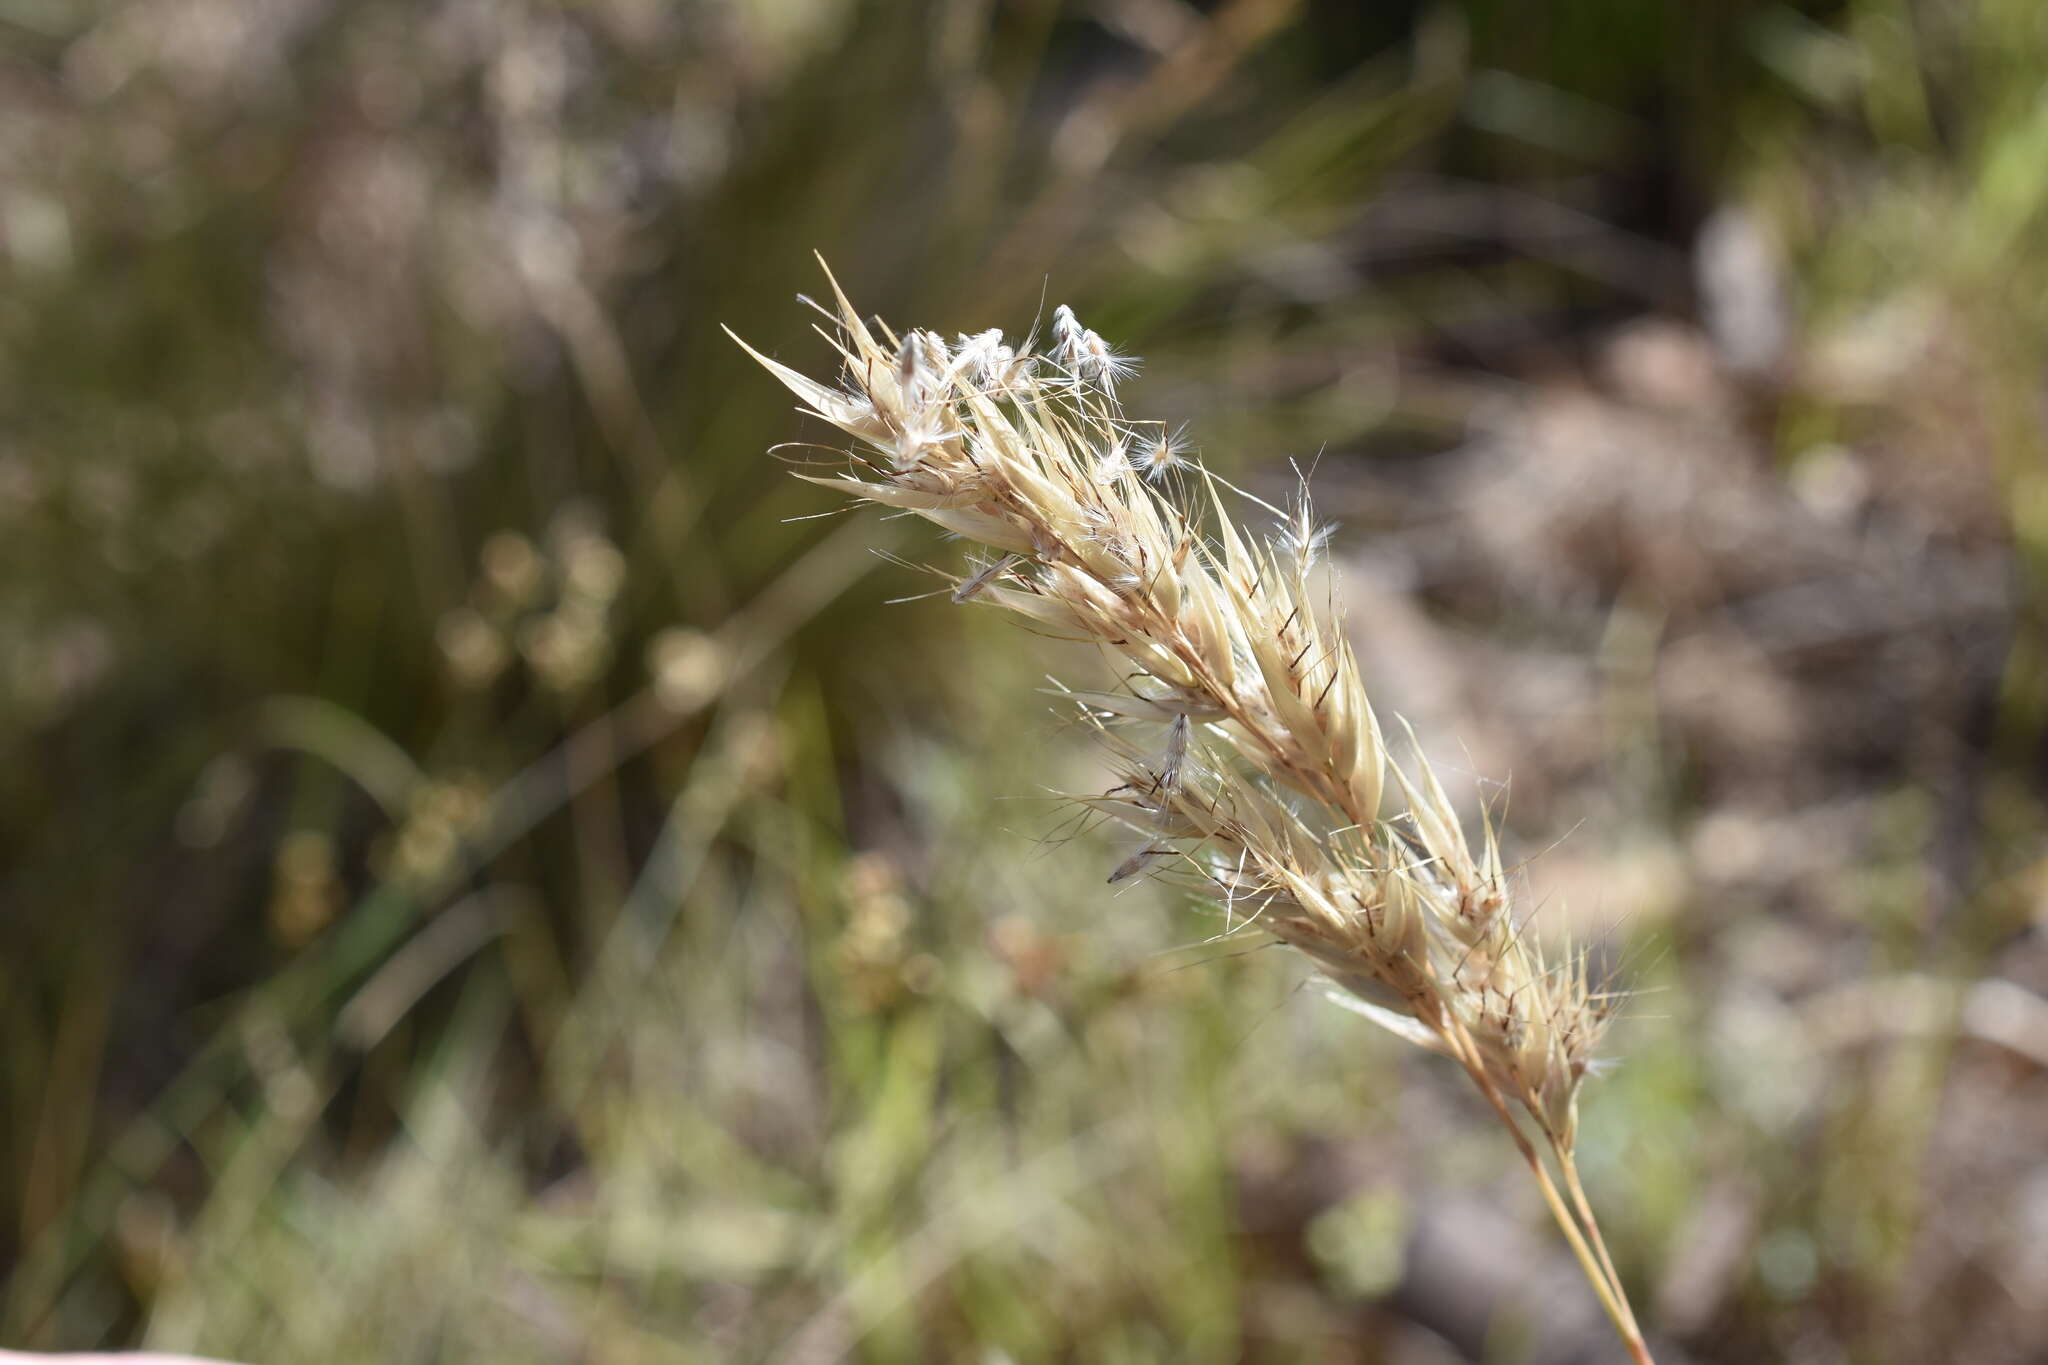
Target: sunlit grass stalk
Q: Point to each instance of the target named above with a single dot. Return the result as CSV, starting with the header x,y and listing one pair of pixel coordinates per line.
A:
x,y
1249,758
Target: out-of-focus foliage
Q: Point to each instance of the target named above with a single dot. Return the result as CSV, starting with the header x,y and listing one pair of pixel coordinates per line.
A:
x,y
476,879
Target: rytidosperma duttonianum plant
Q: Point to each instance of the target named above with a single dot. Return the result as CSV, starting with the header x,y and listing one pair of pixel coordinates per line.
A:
x,y
1249,758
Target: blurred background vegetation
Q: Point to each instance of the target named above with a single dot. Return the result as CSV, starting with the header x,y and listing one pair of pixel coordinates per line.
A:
x,y
479,879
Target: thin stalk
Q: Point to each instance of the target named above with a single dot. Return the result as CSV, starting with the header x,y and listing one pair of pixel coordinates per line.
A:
x,y
1570,1167
1613,1298
1598,1270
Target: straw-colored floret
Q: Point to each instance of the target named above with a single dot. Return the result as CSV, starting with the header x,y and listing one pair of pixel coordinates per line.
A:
x,y
1250,760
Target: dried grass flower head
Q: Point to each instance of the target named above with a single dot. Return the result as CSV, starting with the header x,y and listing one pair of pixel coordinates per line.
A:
x,y
1252,767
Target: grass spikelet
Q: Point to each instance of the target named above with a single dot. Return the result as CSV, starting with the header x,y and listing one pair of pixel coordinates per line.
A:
x,y
1253,767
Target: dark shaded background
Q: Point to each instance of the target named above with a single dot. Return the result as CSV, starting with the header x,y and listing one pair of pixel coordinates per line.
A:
x,y
479,880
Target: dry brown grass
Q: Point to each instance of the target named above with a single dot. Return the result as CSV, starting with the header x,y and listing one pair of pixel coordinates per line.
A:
x,y
1249,756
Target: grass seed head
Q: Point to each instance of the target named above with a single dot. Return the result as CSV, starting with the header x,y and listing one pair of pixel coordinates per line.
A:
x,y
1266,788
